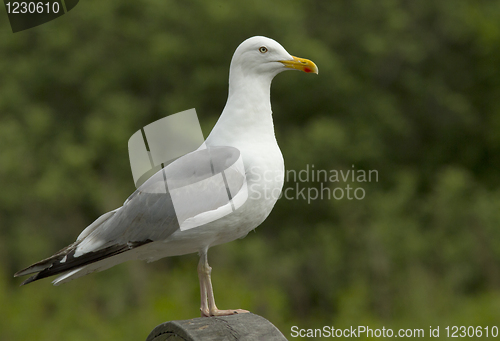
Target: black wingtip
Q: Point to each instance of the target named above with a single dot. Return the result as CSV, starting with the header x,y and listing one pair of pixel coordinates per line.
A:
x,y
55,267
29,280
20,273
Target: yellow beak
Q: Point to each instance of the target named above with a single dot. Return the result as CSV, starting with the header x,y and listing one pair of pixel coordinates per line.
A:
x,y
300,64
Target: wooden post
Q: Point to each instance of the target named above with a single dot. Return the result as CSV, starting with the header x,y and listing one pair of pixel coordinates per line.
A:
x,y
247,327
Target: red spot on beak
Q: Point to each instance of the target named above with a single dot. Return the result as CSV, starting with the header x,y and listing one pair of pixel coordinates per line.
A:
x,y
306,69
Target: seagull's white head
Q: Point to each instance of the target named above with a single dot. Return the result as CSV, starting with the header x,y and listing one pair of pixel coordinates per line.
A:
x,y
264,56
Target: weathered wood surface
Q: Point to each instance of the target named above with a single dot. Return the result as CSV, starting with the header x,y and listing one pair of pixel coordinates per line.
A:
x,y
241,327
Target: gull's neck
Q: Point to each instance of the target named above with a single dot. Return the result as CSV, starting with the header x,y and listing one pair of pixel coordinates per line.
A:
x,y
247,116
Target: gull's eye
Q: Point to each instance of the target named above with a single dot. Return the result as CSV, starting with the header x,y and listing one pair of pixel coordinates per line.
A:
x,y
263,49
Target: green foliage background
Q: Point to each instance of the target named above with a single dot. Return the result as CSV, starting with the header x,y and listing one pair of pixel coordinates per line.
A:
x,y
408,88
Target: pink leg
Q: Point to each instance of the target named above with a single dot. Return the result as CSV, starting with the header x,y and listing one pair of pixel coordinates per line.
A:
x,y
203,290
207,293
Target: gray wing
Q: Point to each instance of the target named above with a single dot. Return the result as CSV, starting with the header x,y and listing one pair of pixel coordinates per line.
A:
x,y
187,187
149,213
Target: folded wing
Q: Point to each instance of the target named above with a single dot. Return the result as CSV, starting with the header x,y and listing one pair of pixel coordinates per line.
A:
x,y
185,189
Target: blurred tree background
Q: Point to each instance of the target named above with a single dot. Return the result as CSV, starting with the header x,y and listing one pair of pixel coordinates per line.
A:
x,y
408,88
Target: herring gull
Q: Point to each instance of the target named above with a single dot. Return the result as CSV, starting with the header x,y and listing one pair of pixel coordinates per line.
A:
x,y
146,227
